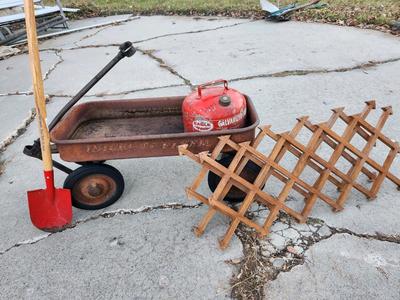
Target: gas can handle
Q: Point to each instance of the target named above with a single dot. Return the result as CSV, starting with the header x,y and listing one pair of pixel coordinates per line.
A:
x,y
215,82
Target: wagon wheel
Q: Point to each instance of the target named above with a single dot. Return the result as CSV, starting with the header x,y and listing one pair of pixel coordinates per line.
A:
x,y
95,186
235,195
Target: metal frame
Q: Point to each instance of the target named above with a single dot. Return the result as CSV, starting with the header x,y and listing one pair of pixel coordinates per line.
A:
x,y
45,20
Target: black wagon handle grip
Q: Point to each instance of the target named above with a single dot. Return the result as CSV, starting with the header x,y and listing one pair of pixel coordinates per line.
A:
x,y
127,49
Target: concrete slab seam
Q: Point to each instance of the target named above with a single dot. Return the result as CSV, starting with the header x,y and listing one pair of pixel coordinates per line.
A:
x,y
18,131
54,66
195,31
105,215
119,93
152,38
94,33
26,93
57,52
163,64
288,73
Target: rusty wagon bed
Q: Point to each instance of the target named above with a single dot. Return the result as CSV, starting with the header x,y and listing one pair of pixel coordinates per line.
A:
x,y
148,127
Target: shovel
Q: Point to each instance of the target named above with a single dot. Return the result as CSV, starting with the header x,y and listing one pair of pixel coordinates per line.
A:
x,y
50,209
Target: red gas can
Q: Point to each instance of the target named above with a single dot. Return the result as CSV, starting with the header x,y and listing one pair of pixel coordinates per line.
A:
x,y
214,108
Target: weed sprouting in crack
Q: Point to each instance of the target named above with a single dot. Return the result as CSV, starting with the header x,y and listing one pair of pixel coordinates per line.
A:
x,y
254,269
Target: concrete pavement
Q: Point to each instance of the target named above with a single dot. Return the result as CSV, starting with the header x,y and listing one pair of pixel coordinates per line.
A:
x,y
143,246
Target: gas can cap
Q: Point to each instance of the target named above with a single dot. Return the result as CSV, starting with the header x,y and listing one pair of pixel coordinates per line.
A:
x,y
225,100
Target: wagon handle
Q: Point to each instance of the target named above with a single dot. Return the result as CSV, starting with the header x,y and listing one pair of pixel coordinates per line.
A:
x,y
215,82
125,50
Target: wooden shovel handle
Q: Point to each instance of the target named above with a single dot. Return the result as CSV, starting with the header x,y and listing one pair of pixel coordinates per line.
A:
x,y
40,101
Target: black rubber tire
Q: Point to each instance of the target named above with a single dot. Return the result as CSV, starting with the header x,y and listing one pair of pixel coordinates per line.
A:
x,y
234,195
108,176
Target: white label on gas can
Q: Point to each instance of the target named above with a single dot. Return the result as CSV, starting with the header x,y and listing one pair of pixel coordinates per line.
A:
x,y
202,125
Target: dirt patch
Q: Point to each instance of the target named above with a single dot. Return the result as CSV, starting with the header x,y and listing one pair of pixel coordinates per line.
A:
x,y
254,269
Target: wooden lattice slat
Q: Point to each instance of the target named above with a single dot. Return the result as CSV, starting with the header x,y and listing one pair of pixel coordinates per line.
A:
x,y
306,156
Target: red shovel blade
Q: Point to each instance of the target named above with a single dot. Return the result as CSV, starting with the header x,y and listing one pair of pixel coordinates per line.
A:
x,y
50,209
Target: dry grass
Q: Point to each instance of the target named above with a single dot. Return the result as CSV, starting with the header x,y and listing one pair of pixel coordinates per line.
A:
x,y
254,269
346,12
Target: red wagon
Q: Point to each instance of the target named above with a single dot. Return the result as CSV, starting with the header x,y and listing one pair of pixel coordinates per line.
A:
x,y
94,132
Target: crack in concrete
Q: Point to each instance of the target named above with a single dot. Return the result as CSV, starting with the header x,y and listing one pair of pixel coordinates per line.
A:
x,y
95,33
91,34
377,236
98,94
104,215
288,73
262,262
119,93
20,130
54,66
187,82
46,75
195,31
83,47
151,38
163,64
104,27
16,94
27,242
2,166
15,135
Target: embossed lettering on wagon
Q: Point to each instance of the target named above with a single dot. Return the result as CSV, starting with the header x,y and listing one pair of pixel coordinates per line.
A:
x,y
191,143
122,147
125,147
